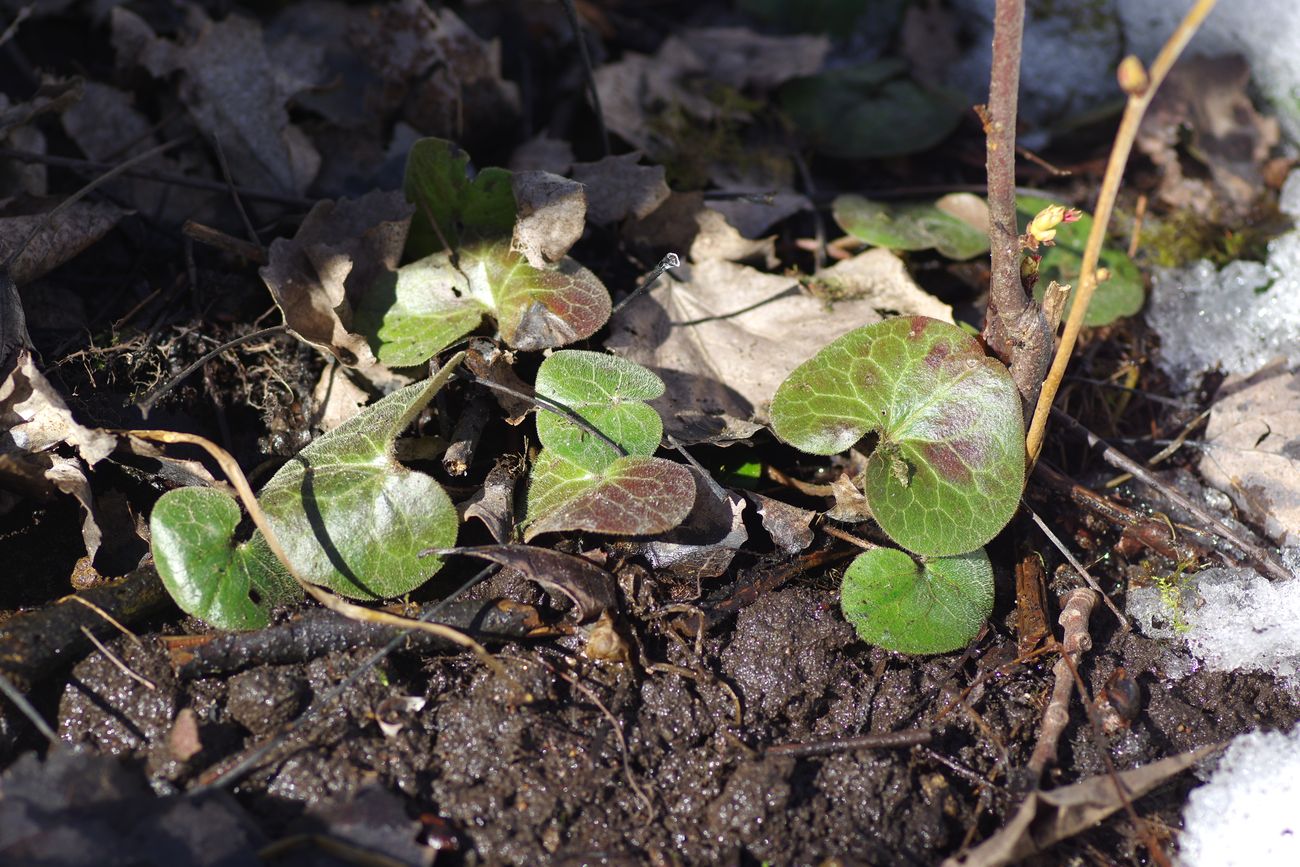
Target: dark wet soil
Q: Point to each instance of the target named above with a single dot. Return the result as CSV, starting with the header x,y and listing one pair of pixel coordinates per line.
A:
x,y
529,769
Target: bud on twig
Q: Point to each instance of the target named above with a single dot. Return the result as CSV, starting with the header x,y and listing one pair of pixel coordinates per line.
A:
x,y
1132,76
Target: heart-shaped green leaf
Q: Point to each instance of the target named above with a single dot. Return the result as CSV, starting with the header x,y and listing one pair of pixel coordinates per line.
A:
x,y
914,226
870,111
438,184
949,465
432,302
607,391
935,607
1116,297
349,516
632,496
227,585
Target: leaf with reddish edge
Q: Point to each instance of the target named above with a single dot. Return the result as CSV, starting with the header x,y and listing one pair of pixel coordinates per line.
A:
x,y
936,606
633,496
434,302
949,465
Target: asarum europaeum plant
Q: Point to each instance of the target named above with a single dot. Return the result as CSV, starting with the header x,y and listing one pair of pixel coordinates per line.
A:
x,y
945,474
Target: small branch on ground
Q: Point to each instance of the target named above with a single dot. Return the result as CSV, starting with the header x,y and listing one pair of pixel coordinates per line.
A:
x,y
1076,641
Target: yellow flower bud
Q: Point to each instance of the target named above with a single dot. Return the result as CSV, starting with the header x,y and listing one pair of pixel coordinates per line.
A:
x,y
1042,228
1132,76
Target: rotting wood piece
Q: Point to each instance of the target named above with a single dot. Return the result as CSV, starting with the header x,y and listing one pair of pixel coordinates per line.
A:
x,y
318,632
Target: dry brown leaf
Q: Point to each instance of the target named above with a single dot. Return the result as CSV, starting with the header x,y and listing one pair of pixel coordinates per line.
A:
x,y
337,254
74,229
544,154
789,526
617,188
234,92
33,420
1046,818
1252,449
638,87
725,336
107,127
706,541
336,397
752,212
683,225
551,214
1229,137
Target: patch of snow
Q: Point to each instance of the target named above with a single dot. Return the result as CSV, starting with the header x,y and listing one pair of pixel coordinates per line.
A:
x,y
1247,813
1265,32
1231,618
1237,318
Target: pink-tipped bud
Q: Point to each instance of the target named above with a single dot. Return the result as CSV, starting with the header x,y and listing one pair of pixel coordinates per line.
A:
x,y
1042,228
1132,76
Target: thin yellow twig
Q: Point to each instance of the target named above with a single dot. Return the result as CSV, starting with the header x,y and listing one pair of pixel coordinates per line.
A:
x,y
1128,128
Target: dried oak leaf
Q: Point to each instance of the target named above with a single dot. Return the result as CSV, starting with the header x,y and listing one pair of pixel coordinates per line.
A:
x,y
234,91
71,231
725,336
1252,449
338,253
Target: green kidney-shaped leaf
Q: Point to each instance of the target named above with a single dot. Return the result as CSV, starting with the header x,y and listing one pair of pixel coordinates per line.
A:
x,y
227,585
349,516
915,226
633,496
412,314
1119,296
870,111
433,302
949,465
438,184
935,607
607,391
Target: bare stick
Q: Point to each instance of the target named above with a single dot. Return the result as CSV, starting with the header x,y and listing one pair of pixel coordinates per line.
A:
x,y
1016,328
174,178
879,741
28,710
1074,619
672,260
1138,101
1262,559
1079,567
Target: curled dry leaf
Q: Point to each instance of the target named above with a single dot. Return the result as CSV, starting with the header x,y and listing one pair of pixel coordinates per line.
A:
x,y
1252,449
1207,95
589,587
789,526
34,419
72,230
340,250
726,337
617,188
234,92
551,214
684,224
705,542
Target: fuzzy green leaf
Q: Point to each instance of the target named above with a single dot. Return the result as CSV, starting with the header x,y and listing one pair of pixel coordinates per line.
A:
x,y
438,184
632,496
350,517
227,585
914,226
432,303
607,391
1119,296
936,607
948,468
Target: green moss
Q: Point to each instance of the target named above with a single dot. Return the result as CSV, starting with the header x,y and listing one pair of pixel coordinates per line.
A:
x,y
1171,594
693,146
1179,238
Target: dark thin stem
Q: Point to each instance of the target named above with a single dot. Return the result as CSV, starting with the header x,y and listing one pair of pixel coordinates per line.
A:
x,y
80,194
667,263
146,404
250,761
173,178
585,55
551,406
234,193
20,701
